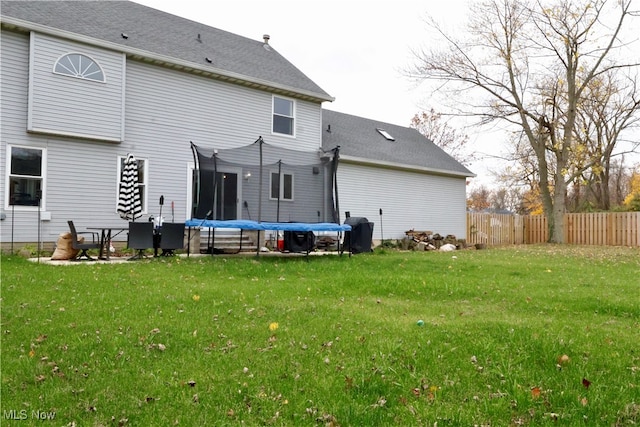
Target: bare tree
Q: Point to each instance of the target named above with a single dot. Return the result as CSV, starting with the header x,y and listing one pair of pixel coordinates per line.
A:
x,y
533,63
432,125
609,108
478,199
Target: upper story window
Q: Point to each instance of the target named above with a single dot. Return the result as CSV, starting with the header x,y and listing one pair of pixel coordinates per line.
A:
x,y
26,176
80,66
283,116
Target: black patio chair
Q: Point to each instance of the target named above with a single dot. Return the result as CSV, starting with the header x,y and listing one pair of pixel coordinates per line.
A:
x,y
83,246
140,238
171,237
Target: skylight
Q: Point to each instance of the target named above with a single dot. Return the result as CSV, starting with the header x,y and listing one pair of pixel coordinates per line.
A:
x,y
386,134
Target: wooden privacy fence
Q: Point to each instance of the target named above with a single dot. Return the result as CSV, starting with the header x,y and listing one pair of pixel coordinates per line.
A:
x,y
495,229
605,228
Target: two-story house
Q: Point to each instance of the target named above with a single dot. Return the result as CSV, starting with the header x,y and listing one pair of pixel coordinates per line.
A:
x,y
84,84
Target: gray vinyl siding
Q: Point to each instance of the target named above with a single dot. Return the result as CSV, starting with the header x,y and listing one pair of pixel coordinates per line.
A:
x,y
70,106
408,200
165,110
21,222
79,176
179,107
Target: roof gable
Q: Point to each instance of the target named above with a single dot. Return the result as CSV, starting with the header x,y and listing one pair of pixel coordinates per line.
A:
x,y
360,139
136,28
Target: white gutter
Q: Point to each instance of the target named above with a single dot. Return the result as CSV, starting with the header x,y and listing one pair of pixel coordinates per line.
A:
x,y
402,166
169,61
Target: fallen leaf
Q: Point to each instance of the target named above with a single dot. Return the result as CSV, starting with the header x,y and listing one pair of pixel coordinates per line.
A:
x,y
348,381
535,392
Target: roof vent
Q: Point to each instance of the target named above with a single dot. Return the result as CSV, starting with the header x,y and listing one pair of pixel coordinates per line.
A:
x,y
209,60
266,38
124,36
199,38
386,134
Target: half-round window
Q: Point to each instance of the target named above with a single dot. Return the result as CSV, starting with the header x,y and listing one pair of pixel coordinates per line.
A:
x,y
80,66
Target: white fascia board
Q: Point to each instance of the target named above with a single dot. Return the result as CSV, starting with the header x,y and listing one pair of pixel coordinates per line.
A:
x,y
166,60
400,166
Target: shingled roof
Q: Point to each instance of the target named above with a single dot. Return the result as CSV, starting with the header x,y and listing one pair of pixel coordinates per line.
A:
x,y
361,141
151,35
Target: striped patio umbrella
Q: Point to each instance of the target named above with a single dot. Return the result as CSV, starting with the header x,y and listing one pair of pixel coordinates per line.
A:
x,y
129,206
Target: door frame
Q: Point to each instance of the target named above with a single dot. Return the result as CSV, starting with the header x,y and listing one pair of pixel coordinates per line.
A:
x,y
225,169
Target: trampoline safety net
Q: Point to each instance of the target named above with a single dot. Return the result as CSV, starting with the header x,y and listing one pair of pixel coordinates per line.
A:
x,y
263,182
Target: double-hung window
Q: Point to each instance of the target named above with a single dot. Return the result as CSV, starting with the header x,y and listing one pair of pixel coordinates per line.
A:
x,y
143,173
283,116
26,175
281,188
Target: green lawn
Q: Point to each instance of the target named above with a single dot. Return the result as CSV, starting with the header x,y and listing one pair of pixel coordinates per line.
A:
x,y
541,335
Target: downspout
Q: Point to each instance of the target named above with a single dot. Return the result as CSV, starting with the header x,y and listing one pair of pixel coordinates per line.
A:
x,y
336,158
195,185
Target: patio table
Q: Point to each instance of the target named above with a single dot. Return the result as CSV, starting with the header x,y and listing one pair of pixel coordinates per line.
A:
x,y
105,238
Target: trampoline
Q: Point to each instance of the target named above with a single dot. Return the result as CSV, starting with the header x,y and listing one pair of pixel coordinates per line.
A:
x,y
263,226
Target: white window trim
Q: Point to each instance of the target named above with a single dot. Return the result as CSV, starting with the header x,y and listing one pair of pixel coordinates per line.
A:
x,y
104,75
293,185
43,176
146,183
273,113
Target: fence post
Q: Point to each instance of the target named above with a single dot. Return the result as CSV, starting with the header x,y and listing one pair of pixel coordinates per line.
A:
x,y
609,232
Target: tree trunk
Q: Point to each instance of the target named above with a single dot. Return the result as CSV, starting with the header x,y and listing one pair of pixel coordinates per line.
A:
x,y
556,234
606,178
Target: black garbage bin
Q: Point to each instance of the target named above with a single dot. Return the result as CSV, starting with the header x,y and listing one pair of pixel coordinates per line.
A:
x,y
358,240
299,241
